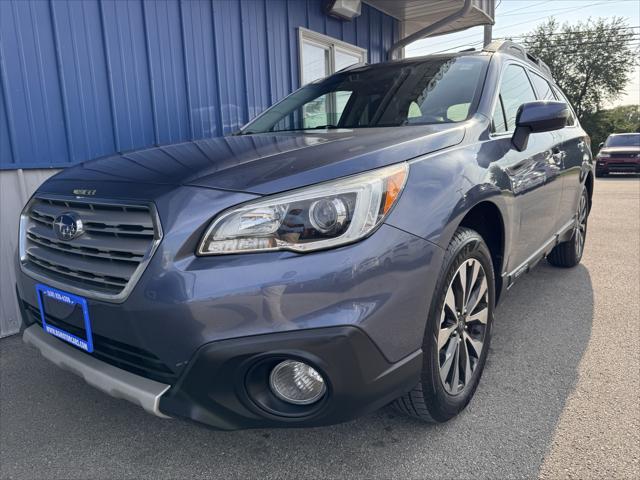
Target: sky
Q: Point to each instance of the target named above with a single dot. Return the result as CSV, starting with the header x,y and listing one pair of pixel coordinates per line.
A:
x,y
516,17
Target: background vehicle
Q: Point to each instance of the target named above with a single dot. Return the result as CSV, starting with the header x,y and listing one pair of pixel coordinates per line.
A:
x,y
345,249
619,153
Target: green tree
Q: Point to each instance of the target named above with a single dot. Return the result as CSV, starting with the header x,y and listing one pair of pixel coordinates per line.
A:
x,y
591,61
601,124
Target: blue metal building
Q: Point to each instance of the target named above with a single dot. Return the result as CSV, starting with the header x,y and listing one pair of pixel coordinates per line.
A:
x,y
95,77
84,78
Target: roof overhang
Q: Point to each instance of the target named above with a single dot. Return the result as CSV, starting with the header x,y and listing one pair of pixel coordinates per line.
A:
x,y
418,14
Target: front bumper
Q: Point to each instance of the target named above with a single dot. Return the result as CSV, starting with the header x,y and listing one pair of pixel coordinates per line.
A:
x,y
618,166
226,384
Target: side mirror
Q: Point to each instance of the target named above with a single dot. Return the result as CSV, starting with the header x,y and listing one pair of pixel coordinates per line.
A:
x,y
601,144
538,116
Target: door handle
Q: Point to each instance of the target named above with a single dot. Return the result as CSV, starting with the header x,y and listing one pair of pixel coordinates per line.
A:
x,y
512,169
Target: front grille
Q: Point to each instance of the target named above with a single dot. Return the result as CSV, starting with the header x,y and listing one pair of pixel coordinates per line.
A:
x,y
102,262
630,156
118,354
624,166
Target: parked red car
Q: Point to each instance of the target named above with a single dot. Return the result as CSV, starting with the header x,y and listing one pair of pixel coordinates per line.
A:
x,y
620,153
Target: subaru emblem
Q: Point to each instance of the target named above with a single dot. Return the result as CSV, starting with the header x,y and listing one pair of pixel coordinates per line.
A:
x,y
68,226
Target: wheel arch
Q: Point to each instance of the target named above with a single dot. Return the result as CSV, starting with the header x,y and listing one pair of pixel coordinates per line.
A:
x,y
588,183
486,218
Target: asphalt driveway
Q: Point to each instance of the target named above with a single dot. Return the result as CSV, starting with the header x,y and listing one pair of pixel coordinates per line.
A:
x,y
559,397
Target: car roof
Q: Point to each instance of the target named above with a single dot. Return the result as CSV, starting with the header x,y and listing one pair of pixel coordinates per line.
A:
x,y
505,47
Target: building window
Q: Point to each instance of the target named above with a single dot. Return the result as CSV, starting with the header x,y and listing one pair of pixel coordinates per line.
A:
x,y
321,55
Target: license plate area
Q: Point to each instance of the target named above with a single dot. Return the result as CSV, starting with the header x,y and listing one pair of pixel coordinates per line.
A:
x,y
66,316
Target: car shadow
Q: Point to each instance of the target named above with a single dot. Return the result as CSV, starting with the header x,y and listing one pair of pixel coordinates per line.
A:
x,y
52,422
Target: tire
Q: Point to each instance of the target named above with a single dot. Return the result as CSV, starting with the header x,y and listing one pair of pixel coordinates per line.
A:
x,y
441,394
568,254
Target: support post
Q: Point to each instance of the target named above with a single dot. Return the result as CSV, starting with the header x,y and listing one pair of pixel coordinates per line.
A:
x,y
488,34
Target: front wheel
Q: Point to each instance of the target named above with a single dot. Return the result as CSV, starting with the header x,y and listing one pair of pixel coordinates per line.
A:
x,y
568,254
457,334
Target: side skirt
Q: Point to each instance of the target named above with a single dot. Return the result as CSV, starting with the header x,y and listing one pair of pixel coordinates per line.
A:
x,y
510,278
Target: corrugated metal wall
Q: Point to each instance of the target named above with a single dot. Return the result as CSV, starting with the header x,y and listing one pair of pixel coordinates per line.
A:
x,y
85,78
81,79
16,186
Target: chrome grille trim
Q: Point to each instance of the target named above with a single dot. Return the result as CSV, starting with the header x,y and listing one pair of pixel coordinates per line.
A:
x,y
106,262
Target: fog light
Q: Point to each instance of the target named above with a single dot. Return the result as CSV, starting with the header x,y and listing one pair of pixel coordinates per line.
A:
x,y
296,382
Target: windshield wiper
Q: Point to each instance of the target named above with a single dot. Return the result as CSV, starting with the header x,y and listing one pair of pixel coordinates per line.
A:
x,y
319,127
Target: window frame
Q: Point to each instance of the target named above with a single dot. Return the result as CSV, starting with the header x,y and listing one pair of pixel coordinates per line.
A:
x,y
326,42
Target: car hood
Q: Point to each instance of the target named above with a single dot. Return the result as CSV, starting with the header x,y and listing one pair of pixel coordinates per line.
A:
x,y
629,149
267,163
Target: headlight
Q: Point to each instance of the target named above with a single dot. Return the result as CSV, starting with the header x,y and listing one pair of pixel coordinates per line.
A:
x,y
604,155
311,218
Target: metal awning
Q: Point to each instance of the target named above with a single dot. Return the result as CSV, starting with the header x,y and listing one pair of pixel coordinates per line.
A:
x,y
418,14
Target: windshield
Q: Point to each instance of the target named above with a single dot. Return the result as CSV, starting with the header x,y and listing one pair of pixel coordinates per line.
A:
x,y
631,140
438,90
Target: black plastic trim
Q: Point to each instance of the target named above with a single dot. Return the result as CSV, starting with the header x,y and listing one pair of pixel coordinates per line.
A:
x,y
213,388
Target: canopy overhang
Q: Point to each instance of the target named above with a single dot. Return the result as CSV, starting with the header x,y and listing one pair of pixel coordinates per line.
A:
x,y
416,15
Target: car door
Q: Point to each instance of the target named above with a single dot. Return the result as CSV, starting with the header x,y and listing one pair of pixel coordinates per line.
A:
x,y
563,154
576,150
533,173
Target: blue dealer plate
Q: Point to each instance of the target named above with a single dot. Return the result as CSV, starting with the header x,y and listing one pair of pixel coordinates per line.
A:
x,y
66,311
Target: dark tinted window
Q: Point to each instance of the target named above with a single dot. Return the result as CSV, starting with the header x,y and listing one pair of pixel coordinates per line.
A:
x,y
515,89
438,90
571,121
542,87
630,140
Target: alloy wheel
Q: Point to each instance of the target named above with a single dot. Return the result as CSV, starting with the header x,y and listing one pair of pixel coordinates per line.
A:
x,y
580,230
463,323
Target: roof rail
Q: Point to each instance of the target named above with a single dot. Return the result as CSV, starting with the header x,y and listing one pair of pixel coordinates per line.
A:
x,y
517,50
507,46
541,65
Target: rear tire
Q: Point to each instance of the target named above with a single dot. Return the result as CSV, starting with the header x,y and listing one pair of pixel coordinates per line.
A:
x,y
457,334
568,254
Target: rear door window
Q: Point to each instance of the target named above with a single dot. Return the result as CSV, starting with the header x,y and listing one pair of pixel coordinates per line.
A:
x,y
571,121
544,90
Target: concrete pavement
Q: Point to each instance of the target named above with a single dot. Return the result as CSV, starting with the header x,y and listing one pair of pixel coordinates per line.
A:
x,y
559,397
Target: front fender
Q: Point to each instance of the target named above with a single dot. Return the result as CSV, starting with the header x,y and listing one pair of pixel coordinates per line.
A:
x,y
442,188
